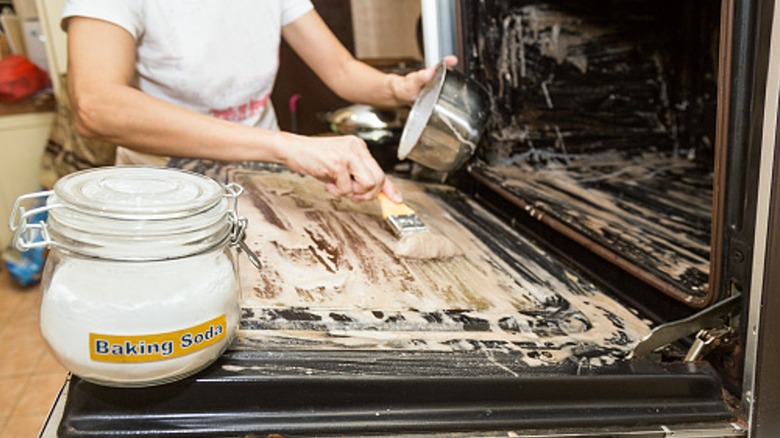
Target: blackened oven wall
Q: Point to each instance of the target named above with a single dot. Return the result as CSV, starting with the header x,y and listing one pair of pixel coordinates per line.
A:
x,y
571,77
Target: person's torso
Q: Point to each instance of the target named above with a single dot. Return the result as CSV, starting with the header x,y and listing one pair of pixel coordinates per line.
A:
x,y
212,56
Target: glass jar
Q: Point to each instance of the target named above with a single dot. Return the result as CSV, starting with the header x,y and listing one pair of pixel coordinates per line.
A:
x,y
140,286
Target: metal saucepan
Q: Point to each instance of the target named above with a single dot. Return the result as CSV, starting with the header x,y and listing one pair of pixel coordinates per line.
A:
x,y
446,121
372,124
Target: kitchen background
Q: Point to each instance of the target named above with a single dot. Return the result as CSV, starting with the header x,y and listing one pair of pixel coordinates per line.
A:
x,y
383,33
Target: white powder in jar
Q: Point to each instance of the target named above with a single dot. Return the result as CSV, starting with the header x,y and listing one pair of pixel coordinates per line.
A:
x,y
124,298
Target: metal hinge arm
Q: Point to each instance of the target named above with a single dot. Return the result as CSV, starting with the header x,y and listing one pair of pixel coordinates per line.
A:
x,y
713,317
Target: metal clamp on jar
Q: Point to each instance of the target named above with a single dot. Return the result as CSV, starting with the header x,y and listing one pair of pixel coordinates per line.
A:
x,y
140,285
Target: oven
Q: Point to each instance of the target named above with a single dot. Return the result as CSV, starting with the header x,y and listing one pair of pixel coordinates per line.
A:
x,y
619,224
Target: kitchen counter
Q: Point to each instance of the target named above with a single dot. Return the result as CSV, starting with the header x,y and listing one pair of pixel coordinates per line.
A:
x,y
23,137
43,102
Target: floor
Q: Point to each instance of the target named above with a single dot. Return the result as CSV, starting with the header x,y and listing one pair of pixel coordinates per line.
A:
x,y
30,378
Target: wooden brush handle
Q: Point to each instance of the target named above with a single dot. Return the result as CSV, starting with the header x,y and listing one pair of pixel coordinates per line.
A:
x,y
390,208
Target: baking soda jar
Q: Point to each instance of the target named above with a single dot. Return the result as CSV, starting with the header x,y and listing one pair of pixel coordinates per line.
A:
x,y
140,286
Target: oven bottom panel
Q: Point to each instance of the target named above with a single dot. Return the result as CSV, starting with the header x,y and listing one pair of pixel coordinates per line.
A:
x,y
358,393
649,212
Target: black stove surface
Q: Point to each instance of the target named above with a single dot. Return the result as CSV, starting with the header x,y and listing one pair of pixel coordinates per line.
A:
x,y
360,393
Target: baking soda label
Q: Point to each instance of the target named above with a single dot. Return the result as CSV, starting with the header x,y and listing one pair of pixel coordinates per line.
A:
x,y
158,346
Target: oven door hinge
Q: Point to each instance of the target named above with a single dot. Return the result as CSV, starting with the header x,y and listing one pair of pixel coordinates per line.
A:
x,y
711,326
707,340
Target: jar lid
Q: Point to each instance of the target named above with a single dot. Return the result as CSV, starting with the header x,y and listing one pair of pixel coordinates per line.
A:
x,y
138,192
138,213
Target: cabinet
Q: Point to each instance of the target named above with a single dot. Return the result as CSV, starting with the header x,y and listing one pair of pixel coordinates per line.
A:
x,y
22,140
23,136
49,12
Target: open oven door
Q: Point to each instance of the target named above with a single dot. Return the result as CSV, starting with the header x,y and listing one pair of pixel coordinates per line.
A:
x,y
339,336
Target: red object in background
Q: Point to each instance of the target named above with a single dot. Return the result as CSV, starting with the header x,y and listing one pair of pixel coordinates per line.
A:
x,y
294,113
20,78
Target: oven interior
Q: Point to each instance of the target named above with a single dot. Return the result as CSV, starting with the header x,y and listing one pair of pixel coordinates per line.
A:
x,y
586,220
604,127
608,139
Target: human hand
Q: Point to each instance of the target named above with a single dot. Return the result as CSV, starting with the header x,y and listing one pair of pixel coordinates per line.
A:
x,y
344,163
406,88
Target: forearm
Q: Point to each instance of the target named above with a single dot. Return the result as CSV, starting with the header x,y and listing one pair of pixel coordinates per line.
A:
x,y
101,67
358,82
351,79
130,118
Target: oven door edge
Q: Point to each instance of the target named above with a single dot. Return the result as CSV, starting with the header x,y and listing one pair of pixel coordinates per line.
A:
x,y
761,384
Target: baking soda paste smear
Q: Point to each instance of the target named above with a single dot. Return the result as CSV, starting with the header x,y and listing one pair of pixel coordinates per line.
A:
x,y
140,285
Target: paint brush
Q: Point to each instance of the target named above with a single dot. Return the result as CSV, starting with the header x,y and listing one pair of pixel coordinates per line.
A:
x,y
400,217
415,240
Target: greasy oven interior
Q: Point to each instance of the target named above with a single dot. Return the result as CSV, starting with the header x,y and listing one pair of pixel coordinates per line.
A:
x,y
592,217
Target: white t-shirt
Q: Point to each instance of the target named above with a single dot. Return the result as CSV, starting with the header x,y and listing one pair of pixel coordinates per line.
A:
x,y
217,57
